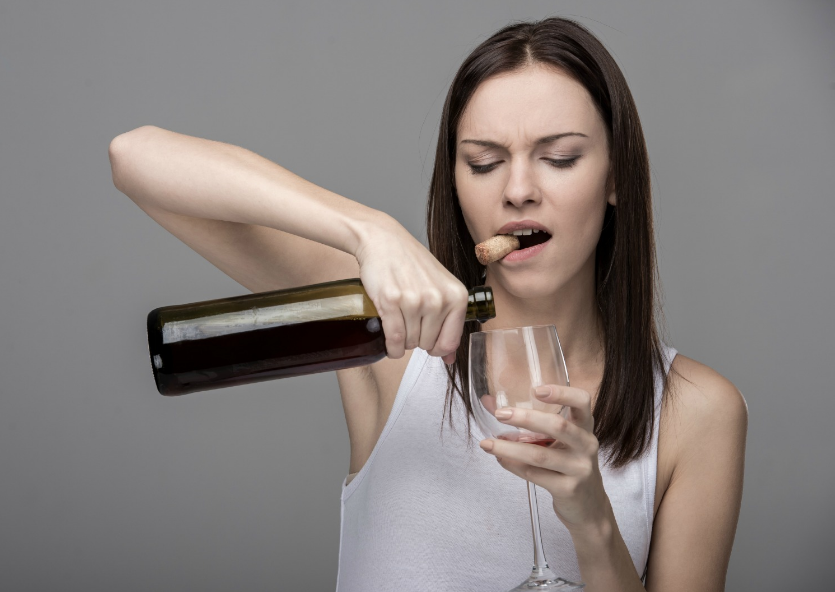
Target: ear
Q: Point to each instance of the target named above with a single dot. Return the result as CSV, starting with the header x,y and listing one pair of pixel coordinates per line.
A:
x,y
612,197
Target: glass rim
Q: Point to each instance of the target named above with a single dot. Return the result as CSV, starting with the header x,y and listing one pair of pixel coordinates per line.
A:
x,y
474,335
515,329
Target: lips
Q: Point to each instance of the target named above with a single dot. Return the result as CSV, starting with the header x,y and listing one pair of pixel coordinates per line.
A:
x,y
530,234
526,253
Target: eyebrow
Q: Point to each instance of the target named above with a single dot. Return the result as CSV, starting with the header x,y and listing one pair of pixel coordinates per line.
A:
x,y
539,142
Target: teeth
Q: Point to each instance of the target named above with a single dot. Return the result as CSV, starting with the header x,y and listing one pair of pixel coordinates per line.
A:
x,y
523,232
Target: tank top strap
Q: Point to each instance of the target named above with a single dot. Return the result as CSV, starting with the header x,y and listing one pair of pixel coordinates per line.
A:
x,y
651,457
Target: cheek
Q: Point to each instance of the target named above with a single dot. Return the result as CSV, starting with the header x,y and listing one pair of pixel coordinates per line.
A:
x,y
468,201
580,218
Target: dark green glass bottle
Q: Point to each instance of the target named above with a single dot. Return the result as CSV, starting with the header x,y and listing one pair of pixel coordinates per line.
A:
x,y
255,337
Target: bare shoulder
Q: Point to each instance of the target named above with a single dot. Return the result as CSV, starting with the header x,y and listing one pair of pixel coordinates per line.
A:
x,y
699,399
701,458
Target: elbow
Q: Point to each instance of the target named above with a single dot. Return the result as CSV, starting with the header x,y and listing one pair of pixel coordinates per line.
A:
x,y
120,150
116,153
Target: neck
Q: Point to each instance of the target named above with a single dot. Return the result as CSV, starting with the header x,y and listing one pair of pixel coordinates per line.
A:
x,y
573,311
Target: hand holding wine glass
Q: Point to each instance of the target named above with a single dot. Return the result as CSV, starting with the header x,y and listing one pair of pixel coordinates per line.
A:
x,y
507,368
568,468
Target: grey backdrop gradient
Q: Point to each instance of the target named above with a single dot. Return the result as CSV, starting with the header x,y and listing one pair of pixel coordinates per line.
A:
x,y
106,485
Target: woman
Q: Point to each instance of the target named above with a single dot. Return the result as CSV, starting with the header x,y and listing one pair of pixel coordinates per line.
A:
x,y
539,132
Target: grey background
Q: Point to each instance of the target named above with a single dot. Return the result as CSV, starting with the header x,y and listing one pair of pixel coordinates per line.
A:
x,y
105,485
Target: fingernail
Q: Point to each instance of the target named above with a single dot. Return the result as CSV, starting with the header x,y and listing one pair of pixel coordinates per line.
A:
x,y
542,391
486,445
504,413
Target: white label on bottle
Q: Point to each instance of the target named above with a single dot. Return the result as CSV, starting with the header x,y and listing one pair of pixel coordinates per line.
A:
x,y
264,318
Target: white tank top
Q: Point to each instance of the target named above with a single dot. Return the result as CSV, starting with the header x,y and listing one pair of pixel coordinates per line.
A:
x,y
427,513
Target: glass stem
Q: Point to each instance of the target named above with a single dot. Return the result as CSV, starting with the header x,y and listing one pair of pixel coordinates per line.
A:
x,y
539,561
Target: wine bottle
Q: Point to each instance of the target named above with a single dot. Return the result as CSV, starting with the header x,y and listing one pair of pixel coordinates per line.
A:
x,y
256,337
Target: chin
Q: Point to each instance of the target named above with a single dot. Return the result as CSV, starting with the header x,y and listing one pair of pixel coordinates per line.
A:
x,y
531,284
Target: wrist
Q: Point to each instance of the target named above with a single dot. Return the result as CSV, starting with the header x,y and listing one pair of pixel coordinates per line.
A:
x,y
602,555
594,534
367,229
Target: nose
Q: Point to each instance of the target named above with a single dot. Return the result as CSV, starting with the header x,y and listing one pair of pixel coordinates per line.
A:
x,y
521,188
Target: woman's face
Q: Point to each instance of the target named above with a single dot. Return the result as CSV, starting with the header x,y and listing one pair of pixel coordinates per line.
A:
x,y
533,154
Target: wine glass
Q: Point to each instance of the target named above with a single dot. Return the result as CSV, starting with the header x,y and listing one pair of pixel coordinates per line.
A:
x,y
506,365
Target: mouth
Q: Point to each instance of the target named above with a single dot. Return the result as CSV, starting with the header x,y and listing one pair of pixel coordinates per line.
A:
x,y
530,237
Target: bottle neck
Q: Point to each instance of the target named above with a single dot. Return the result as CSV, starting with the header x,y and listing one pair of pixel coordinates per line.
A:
x,y
480,305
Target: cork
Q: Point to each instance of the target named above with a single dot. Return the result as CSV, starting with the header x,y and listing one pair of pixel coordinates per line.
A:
x,y
495,248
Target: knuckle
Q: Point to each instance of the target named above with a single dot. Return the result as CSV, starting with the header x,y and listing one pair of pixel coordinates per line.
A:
x,y
432,299
450,346
439,352
394,337
441,349
391,296
451,337
409,300
456,293
413,338
395,353
539,456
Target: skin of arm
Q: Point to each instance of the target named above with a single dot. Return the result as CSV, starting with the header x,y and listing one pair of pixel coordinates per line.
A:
x,y
270,229
214,195
702,449
703,433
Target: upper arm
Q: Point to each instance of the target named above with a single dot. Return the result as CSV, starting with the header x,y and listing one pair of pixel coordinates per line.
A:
x,y
703,428
257,257
158,168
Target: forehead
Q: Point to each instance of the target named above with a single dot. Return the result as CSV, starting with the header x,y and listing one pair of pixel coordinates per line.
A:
x,y
524,105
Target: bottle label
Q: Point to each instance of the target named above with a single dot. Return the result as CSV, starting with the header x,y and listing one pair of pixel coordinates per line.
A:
x,y
264,318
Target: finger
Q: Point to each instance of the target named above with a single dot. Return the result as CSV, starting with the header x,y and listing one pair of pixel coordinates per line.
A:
x,y
552,424
410,307
394,327
547,479
577,399
432,317
516,456
449,337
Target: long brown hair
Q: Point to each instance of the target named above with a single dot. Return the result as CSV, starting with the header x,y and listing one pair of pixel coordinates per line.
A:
x,y
625,266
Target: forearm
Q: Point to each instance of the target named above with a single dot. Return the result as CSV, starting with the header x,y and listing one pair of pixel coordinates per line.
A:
x,y
603,557
205,179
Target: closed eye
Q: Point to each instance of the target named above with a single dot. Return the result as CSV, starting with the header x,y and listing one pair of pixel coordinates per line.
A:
x,y
562,163
480,169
